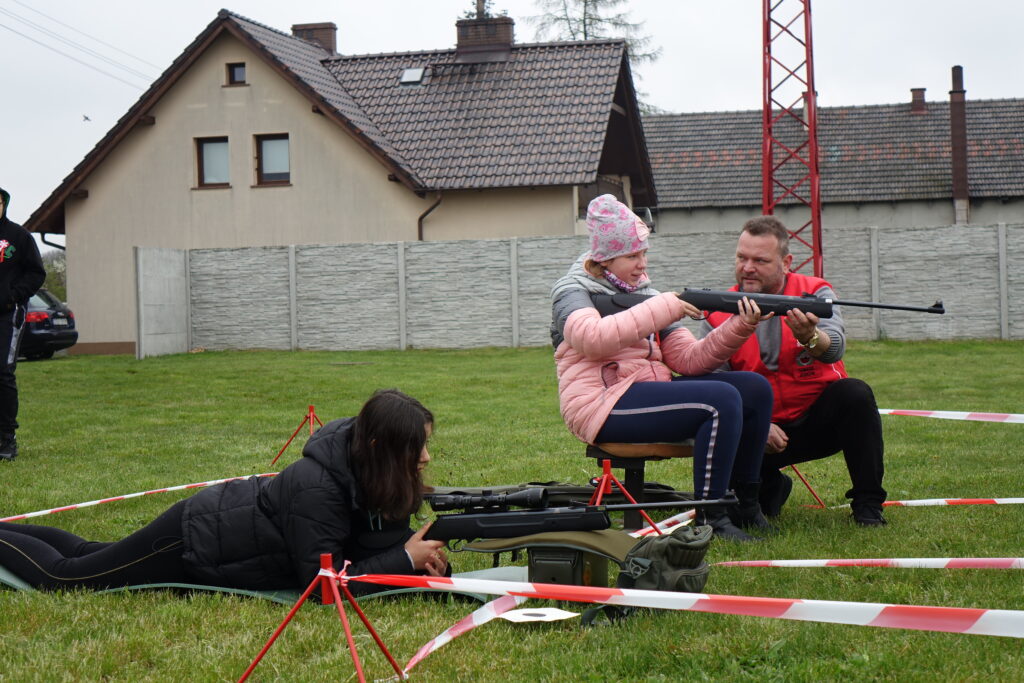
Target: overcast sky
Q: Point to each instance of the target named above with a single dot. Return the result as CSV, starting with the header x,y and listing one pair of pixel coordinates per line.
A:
x,y
865,51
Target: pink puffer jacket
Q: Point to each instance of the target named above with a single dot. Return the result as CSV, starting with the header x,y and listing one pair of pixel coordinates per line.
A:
x,y
601,358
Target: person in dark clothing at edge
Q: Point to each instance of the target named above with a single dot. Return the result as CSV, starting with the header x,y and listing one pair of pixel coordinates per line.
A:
x,y
351,494
21,276
818,409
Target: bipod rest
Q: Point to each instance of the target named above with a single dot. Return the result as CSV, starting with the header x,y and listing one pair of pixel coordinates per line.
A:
x,y
820,504
310,418
326,579
604,487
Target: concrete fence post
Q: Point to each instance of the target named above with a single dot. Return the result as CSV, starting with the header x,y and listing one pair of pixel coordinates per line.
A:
x,y
402,317
293,311
876,284
1004,285
513,255
188,299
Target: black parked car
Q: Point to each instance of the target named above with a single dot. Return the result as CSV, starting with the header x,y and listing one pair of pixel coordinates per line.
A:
x,y
49,327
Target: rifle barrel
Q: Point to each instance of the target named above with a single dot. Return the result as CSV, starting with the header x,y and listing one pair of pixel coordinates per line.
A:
x,y
727,500
937,307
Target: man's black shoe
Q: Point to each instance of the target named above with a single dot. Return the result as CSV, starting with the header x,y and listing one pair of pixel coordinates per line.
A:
x,y
868,515
8,447
775,492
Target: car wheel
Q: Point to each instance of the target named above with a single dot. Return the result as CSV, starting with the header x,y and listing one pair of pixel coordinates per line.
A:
x,y
42,355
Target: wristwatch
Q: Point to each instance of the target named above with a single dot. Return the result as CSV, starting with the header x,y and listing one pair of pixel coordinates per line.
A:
x,y
813,341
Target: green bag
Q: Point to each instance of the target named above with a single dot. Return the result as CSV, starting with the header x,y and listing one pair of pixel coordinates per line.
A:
x,y
669,562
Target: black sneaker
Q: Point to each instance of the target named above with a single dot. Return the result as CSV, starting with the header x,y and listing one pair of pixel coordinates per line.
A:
x,y
8,447
868,515
774,494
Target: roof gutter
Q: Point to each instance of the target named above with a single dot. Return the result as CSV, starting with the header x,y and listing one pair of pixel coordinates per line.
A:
x,y
42,238
423,216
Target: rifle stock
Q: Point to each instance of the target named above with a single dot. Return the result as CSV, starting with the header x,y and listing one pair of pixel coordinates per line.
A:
x,y
473,525
488,516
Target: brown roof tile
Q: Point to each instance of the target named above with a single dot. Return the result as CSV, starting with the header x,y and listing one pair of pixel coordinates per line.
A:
x,y
866,154
539,118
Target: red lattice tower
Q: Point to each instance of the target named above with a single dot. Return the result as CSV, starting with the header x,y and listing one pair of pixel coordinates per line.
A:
x,y
789,151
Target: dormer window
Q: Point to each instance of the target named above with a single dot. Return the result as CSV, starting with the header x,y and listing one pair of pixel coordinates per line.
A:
x,y
412,76
236,73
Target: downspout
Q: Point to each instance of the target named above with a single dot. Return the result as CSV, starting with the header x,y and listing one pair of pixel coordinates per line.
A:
x,y
423,216
42,238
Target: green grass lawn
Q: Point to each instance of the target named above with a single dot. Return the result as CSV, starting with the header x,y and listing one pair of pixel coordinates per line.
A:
x,y
94,427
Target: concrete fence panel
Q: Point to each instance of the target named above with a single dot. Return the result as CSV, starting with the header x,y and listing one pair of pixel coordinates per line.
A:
x,y
473,293
161,277
347,297
240,298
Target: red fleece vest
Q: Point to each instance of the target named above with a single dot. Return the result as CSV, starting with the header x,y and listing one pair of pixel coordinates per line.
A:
x,y
800,379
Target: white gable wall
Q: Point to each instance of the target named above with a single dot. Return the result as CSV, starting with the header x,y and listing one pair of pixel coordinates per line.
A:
x,y
145,194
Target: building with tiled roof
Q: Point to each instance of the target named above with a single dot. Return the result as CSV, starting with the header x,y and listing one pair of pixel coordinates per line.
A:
x,y
257,137
880,165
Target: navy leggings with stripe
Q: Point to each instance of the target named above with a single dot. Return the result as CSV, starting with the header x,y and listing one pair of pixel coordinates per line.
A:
x,y
727,414
50,558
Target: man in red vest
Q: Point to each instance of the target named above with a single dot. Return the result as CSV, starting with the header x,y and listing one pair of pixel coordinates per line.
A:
x,y
818,409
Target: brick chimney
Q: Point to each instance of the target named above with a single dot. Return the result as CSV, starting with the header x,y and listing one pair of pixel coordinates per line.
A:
x,y
917,103
484,39
325,34
958,147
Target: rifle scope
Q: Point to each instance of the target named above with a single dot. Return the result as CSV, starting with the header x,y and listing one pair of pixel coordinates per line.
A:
x,y
527,498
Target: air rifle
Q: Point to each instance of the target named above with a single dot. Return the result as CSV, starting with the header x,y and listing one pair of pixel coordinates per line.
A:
x,y
728,302
488,515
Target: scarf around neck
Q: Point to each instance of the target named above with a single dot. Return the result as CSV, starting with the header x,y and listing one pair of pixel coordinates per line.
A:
x,y
578,277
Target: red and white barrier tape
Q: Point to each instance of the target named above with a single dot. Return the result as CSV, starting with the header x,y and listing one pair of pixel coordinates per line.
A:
x,y
491,610
954,501
991,622
1015,418
945,501
900,562
683,518
112,499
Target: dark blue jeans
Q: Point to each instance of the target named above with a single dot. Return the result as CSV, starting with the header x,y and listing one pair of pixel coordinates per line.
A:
x,y
727,414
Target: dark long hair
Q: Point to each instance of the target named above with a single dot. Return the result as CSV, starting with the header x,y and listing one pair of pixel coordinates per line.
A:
x,y
388,438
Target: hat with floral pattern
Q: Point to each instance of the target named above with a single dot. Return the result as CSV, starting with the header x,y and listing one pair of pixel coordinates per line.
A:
x,y
614,229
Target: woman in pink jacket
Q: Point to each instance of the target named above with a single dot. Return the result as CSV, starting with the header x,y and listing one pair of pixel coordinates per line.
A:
x,y
617,378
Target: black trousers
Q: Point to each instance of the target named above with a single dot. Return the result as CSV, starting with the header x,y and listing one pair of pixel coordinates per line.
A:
x,y
51,559
844,418
11,323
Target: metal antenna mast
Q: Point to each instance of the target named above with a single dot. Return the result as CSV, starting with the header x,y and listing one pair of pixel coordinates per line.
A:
x,y
789,150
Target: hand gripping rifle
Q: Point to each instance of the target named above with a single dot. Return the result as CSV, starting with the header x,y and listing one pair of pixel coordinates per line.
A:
x,y
488,515
728,302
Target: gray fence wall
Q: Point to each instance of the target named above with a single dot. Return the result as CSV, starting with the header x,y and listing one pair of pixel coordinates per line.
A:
x,y
161,290
473,293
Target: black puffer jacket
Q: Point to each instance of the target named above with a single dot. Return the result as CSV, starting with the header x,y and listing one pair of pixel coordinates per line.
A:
x,y
21,268
263,534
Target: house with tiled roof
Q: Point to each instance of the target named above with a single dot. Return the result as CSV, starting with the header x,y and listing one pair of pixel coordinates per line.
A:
x,y
257,137
880,165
